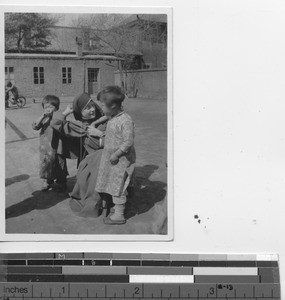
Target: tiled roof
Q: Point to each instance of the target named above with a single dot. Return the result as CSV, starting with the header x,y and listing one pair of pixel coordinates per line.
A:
x,y
64,41
60,56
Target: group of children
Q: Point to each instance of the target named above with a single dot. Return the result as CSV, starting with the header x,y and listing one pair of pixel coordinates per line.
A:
x,y
118,156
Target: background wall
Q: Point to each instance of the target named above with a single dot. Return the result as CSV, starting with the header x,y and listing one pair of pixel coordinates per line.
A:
x,y
229,126
24,76
145,83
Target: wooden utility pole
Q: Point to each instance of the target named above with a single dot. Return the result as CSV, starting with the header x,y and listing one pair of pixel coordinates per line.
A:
x,y
84,74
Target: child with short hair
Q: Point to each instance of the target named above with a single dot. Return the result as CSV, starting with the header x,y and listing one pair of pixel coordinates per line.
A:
x,y
118,157
52,165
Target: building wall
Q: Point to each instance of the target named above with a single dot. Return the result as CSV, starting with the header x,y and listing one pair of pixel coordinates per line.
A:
x,y
106,73
145,83
155,54
24,77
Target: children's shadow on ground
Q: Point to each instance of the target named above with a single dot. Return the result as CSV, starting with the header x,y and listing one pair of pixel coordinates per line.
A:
x,y
18,178
38,200
146,193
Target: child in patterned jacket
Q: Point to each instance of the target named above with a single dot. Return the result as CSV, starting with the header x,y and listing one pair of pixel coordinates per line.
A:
x,y
118,158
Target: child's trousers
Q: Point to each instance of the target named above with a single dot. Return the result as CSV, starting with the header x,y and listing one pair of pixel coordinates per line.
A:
x,y
60,169
120,200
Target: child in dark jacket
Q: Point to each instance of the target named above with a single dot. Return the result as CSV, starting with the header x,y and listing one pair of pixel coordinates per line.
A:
x,y
53,170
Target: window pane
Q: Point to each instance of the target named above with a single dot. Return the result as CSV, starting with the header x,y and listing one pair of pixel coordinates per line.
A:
x,y
92,75
36,81
41,75
69,75
63,80
41,69
6,70
35,69
69,80
11,69
69,70
35,75
41,80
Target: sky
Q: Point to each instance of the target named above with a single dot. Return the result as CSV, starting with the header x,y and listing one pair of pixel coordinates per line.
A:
x,y
71,18
66,19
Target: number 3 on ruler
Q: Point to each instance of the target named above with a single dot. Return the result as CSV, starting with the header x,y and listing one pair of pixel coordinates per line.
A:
x,y
212,291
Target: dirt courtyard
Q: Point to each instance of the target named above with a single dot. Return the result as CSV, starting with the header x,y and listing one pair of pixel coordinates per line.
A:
x,y
28,210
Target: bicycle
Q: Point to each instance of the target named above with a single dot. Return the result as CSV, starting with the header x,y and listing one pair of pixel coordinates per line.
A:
x,y
19,100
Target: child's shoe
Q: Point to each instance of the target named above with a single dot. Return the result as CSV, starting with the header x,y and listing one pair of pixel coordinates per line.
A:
x,y
117,218
46,185
109,221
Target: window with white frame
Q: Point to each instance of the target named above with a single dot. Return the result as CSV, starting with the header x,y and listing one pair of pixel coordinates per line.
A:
x,y
39,77
9,74
66,75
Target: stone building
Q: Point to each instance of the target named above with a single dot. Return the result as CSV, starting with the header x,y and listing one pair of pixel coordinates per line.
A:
x,y
63,68
78,60
36,75
150,39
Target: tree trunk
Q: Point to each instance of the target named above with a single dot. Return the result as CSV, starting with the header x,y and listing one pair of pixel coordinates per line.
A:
x,y
19,45
84,75
121,74
19,41
126,81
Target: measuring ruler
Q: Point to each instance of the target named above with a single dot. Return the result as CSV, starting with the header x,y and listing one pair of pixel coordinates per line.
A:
x,y
101,276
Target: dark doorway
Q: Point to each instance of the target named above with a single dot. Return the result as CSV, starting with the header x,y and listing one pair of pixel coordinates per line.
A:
x,y
93,80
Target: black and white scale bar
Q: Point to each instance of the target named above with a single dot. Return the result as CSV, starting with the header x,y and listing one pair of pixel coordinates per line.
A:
x,y
143,291
77,262
142,278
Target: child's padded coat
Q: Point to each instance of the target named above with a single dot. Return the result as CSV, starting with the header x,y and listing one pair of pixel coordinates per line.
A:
x,y
114,179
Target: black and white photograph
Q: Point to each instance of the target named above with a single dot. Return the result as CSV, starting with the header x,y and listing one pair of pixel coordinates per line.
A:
x,y
143,149
88,124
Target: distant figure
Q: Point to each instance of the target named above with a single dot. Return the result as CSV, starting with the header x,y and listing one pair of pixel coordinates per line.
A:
x,y
10,88
52,165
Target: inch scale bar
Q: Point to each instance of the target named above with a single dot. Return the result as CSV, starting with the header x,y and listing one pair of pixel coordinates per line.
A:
x,y
145,291
143,276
